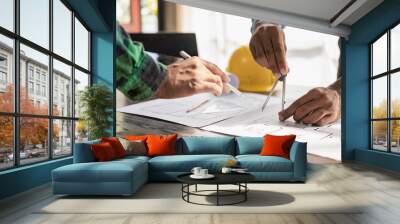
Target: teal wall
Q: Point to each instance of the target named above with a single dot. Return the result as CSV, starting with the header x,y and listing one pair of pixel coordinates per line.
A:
x,y
103,54
99,16
355,85
103,65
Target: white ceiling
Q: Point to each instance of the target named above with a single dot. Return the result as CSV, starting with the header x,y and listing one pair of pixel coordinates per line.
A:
x,y
321,9
315,15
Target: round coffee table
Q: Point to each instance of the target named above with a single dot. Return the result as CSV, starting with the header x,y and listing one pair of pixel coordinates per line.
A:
x,y
238,179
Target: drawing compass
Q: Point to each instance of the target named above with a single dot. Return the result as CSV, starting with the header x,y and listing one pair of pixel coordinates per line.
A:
x,y
283,79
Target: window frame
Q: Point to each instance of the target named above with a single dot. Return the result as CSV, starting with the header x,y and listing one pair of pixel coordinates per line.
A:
x,y
388,74
16,114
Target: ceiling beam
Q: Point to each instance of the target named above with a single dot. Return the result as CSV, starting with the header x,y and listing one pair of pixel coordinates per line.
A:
x,y
346,12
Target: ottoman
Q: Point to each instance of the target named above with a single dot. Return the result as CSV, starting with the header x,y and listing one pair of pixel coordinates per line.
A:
x,y
118,177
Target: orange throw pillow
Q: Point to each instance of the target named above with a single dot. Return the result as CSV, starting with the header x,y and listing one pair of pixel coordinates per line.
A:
x,y
136,137
103,152
277,145
116,145
161,145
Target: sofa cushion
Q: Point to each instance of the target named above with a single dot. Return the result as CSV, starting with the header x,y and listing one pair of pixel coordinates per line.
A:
x,y
103,152
249,145
161,145
185,163
277,145
116,145
257,163
112,171
206,145
134,147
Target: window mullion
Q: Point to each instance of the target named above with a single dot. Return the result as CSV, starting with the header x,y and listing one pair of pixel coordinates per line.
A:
x,y
73,82
50,81
371,142
16,84
389,101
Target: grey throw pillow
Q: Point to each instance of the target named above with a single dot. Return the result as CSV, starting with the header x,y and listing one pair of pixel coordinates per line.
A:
x,y
135,147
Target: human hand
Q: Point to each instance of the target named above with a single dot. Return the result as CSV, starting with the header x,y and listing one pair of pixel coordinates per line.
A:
x,y
268,48
320,106
191,76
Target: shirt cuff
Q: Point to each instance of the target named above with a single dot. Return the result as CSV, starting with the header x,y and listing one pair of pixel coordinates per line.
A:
x,y
256,23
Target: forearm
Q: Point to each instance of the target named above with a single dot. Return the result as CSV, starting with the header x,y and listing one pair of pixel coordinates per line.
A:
x,y
138,76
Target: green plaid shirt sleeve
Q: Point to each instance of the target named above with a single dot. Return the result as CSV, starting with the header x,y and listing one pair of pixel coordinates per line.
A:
x,y
138,75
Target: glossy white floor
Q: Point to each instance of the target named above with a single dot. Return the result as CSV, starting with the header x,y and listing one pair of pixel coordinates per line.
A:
x,y
377,188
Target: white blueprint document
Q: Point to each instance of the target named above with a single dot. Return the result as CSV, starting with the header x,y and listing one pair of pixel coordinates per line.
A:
x,y
242,116
323,141
215,110
256,123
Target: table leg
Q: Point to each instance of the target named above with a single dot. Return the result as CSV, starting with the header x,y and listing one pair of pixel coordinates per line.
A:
x,y
182,188
188,190
195,188
245,193
217,194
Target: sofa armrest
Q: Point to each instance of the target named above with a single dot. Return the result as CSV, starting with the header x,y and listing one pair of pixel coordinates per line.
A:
x,y
83,152
298,155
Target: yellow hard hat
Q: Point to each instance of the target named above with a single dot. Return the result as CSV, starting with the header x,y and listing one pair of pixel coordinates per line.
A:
x,y
252,76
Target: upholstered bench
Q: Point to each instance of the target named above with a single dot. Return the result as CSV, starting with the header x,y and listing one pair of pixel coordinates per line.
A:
x,y
118,177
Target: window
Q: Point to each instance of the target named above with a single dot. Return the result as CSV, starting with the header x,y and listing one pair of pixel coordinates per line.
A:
x,y
3,61
385,95
7,14
6,142
62,139
44,91
3,72
62,29
81,81
38,74
7,73
62,74
34,22
81,45
37,89
138,15
3,78
30,72
395,47
45,72
30,87
33,140
149,13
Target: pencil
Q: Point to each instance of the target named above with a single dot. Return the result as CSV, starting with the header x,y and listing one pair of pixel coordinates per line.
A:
x,y
233,89
197,106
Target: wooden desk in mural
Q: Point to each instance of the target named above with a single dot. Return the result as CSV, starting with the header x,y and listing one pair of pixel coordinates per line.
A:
x,y
134,124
